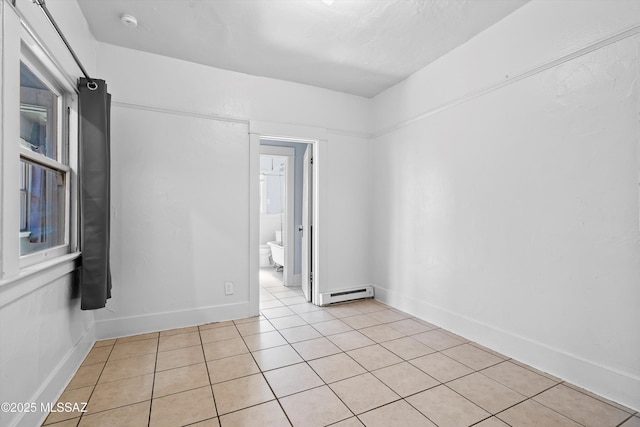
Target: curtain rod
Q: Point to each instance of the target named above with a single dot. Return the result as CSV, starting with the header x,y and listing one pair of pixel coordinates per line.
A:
x,y
91,84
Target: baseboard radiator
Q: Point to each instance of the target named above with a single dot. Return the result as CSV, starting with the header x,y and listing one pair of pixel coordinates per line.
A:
x,y
346,295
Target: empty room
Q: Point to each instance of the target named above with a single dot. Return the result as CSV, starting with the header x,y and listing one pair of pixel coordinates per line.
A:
x,y
320,212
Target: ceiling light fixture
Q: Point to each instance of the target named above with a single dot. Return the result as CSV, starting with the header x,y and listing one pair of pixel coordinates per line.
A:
x,y
328,2
129,21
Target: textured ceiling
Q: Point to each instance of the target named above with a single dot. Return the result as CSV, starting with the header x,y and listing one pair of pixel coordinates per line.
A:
x,y
360,47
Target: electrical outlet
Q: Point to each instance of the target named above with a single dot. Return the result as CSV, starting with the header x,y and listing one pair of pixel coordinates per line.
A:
x,y
228,288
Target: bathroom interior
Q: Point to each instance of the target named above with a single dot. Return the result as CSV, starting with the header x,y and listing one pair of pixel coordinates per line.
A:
x,y
272,216
281,237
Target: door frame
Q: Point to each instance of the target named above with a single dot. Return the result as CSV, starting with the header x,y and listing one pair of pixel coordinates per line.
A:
x,y
306,226
315,136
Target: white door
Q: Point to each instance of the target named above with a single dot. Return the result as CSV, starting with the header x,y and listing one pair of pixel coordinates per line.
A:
x,y
307,224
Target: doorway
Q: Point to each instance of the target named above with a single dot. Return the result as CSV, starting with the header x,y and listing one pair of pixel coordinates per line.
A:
x,y
286,218
305,276
277,213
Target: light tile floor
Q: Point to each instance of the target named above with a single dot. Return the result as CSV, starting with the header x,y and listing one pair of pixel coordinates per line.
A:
x,y
353,364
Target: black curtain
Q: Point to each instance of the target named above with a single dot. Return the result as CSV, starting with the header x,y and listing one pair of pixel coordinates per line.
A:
x,y
94,107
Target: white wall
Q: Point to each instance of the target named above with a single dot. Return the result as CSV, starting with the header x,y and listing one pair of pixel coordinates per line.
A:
x,y
157,81
44,336
180,144
43,340
348,249
174,242
506,209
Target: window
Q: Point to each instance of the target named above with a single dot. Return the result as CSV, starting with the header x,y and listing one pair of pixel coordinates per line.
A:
x,y
272,184
44,170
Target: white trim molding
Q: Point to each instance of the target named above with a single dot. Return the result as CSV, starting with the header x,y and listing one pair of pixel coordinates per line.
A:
x,y
36,276
135,325
315,136
609,383
630,32
56,382
287,132
178,112
230,119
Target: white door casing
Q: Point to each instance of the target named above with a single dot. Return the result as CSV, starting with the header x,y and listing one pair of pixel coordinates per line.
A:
x,y
307,224
317,140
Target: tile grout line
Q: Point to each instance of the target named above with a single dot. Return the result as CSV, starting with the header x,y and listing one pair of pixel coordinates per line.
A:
x,y
596,397
153,383
367,371
626,419
265,378
557,382
206,366
342,351
325,384
106,382
474,371
403,360
553,410
97,380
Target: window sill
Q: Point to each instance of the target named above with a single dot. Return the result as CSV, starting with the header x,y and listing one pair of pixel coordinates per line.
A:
x,y
34,277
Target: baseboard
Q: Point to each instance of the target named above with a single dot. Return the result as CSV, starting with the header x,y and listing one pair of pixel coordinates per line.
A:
x,y
606,382
134,325
56,382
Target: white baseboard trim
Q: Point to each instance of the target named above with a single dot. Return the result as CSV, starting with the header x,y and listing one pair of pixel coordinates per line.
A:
x,y
134,325
56,382
602,380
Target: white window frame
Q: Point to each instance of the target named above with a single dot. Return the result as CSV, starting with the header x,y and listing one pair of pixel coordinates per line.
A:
x,y
15,268
60,164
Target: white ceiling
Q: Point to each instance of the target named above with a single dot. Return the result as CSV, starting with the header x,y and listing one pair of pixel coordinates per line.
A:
x,y
360,47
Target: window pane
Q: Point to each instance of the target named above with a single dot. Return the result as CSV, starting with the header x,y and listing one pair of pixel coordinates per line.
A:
x,y
38,114
272,184
42,207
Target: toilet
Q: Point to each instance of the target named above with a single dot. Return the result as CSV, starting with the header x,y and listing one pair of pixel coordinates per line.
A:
x,y
265,255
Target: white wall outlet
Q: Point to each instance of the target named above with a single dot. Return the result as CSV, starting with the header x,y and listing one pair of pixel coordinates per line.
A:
x,y
228,288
